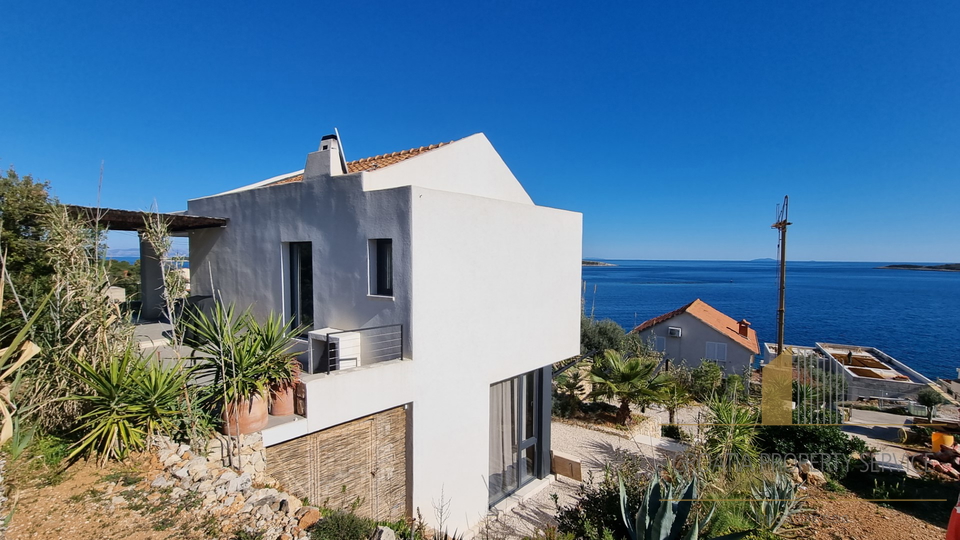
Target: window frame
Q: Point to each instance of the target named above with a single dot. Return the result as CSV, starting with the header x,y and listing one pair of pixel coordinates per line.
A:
x,y
380,262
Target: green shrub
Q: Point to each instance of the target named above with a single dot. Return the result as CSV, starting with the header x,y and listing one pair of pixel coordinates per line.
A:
x,y
828,447
342,525
705,379
598,336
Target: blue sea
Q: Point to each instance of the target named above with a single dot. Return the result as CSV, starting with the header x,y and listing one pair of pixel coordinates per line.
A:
x,y
912,315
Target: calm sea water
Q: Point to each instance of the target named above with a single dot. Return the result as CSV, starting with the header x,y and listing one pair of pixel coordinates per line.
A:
x,y
913,316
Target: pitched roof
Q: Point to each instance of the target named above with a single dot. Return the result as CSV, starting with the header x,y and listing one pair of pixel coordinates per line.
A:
x,y
724,324
370,163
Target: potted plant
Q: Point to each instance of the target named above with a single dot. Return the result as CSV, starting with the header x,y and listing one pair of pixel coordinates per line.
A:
x,y
232,367
282,367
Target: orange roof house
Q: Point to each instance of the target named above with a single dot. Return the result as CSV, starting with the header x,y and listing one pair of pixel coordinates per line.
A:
x,y
698,331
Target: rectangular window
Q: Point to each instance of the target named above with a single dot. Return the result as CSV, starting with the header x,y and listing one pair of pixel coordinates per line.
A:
x,y
515,425
380,255
301,284
716,351
661,344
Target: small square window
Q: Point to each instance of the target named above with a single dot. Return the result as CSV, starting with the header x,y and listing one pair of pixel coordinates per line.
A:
x,y
381,266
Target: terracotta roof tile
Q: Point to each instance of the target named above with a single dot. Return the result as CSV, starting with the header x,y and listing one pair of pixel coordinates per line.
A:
x,y
385,160
715,319
373,163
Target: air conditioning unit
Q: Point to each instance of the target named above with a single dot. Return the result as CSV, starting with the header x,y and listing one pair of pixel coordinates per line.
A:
x,y
674,331
333,350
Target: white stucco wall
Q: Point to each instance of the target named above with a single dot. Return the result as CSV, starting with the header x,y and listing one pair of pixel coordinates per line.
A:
x,y
691,347
486,285
496,294
470,166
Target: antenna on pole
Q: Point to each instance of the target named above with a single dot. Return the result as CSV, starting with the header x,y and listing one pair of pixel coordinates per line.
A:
x,y
781,225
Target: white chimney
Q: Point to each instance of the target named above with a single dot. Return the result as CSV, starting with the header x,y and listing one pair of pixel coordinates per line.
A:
x,y
325,161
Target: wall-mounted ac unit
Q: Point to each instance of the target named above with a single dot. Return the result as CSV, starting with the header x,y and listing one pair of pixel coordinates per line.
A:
x,y
674,331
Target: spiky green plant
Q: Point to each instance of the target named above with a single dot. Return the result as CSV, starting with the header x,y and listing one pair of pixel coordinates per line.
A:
x,y
664,511
731,432
275,339
775,501
129,398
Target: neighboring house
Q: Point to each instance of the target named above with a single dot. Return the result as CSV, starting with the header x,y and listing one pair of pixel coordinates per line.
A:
x,y
439,294
698,332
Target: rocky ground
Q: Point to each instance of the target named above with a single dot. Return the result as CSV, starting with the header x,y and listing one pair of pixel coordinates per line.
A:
x,y
170,494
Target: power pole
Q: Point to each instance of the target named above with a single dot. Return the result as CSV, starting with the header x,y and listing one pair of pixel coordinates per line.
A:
x,y
781,225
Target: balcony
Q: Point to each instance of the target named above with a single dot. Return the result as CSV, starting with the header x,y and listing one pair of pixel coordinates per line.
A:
x,y
331,349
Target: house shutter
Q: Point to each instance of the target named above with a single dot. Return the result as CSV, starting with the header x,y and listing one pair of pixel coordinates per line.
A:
x,y
661,343
722,352
711,351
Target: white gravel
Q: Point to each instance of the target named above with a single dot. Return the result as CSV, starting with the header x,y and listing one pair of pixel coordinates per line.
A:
x,y
594,449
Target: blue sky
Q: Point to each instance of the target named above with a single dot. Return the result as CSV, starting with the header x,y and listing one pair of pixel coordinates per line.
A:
x,y
675,127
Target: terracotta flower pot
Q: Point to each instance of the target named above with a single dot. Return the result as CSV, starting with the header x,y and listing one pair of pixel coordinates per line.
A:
x,y
281,399
250,414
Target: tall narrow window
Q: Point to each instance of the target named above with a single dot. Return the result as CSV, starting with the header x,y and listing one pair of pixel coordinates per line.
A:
x,y
381,267
515,427
301,284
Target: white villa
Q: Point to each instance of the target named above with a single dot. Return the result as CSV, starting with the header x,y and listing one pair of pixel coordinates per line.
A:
x,y
439,296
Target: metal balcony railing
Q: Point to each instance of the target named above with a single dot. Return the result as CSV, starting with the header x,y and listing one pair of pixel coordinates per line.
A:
x,y
361,347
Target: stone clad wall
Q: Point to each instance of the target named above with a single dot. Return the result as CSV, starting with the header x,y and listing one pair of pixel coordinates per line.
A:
x,y
362,459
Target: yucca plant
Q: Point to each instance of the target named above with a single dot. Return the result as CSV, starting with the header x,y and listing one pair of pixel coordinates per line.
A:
x,y
232,360
129,398
731,432
775,501
664,511
274,339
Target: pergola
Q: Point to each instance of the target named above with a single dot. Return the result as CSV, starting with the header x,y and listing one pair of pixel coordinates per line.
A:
x,y
151,272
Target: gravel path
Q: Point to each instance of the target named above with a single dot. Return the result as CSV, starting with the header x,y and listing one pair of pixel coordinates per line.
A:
x,y
594,449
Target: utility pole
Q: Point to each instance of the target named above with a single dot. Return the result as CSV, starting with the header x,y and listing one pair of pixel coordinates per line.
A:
x,y
781,225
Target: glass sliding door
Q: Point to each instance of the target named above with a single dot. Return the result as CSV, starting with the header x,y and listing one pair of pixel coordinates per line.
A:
x,y
514,430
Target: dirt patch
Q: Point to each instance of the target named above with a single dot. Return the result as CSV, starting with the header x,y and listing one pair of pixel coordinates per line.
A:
x,y
844,516
85,502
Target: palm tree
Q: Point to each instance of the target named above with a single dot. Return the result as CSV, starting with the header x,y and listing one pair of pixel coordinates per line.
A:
x,y
570,387
674,397
626,380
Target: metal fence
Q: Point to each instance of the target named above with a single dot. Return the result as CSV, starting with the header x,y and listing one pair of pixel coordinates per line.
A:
x,y
361,347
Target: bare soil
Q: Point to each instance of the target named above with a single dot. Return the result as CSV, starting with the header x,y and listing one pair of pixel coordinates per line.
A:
x,y
85,502
844,516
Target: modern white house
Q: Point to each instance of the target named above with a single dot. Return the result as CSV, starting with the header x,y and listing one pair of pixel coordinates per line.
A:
x,y
697,332
438,294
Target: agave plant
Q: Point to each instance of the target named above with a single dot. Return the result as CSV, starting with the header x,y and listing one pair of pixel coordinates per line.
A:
x,y
775,501
664,511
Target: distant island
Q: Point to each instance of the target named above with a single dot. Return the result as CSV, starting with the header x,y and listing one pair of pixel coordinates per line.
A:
x,y
954,267
597,263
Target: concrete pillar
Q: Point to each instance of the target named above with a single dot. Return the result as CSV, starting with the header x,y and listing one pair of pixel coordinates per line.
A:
x,y
151,282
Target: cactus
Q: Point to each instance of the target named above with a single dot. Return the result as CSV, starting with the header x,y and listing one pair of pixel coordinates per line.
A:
x,y
664,511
